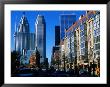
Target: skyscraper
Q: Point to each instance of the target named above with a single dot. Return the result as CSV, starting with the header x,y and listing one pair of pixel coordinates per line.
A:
x,y
66,21
56,48
40,27
24,40
57,35
21,35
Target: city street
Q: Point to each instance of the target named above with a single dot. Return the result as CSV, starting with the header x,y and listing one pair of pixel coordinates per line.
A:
x,y
75,47
26,72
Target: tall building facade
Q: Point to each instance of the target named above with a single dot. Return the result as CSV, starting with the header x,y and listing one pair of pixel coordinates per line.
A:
x,y
22,35
40,27
57,35
96,38
66,21
55,57
54,49
24,40
82,40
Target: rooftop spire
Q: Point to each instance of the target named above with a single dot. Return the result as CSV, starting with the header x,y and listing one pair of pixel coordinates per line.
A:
x,y
23,25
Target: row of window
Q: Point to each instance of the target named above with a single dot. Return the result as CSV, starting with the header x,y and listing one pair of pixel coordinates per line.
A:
x,y
82,33
96,26
97,17
96,39
97,32
83,51
82,27
97,52
97,46
72,45
82,38
82,45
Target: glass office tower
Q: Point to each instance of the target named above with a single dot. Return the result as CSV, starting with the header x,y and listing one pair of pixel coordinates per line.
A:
x,y
40,27
24,40
57,35
66,21
22,35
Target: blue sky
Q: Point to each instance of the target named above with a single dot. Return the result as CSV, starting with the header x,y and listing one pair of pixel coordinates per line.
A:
x,y
51,18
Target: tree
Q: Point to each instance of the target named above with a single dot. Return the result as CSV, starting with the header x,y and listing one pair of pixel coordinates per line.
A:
x,y
15,60
37,58
64,60
57,58
33,60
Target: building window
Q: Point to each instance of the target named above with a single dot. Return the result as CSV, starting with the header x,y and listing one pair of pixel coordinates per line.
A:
x,y
97,46
81,27
83,51
82,39
82,33
94,40
97,39
82,45
68,45
98,52
98,31
95,24
95,33
90,43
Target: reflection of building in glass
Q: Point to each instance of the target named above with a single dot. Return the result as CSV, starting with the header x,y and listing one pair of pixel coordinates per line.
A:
x,y
66,20
40,27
